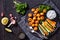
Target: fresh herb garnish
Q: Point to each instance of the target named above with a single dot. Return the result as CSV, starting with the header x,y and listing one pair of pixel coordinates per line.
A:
x,y
41,7
20,7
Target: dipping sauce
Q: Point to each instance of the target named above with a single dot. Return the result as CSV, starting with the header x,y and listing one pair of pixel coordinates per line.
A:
x,y
51,14
4,20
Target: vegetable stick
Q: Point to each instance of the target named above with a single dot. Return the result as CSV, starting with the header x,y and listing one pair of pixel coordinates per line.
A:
x,y
44,30
48,27
45,27
41,31
49,24
52,23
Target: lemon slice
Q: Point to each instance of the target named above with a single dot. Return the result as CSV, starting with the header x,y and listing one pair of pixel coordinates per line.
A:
x,y
4,21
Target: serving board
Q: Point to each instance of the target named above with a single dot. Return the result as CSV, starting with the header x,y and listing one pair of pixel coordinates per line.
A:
x,y
25,28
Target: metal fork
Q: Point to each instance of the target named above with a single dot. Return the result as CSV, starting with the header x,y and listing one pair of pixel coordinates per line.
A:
x,y
32,31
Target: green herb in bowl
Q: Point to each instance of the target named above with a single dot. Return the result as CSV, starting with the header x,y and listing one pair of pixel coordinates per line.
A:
x,y
20,7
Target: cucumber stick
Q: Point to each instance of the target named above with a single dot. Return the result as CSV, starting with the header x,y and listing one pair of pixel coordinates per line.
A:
x,y
41,31
46,33
45,27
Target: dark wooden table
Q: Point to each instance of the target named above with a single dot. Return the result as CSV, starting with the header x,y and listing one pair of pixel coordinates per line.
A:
x,y
6,6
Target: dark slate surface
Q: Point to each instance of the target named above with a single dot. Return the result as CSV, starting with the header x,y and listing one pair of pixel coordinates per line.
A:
x,y
8,8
